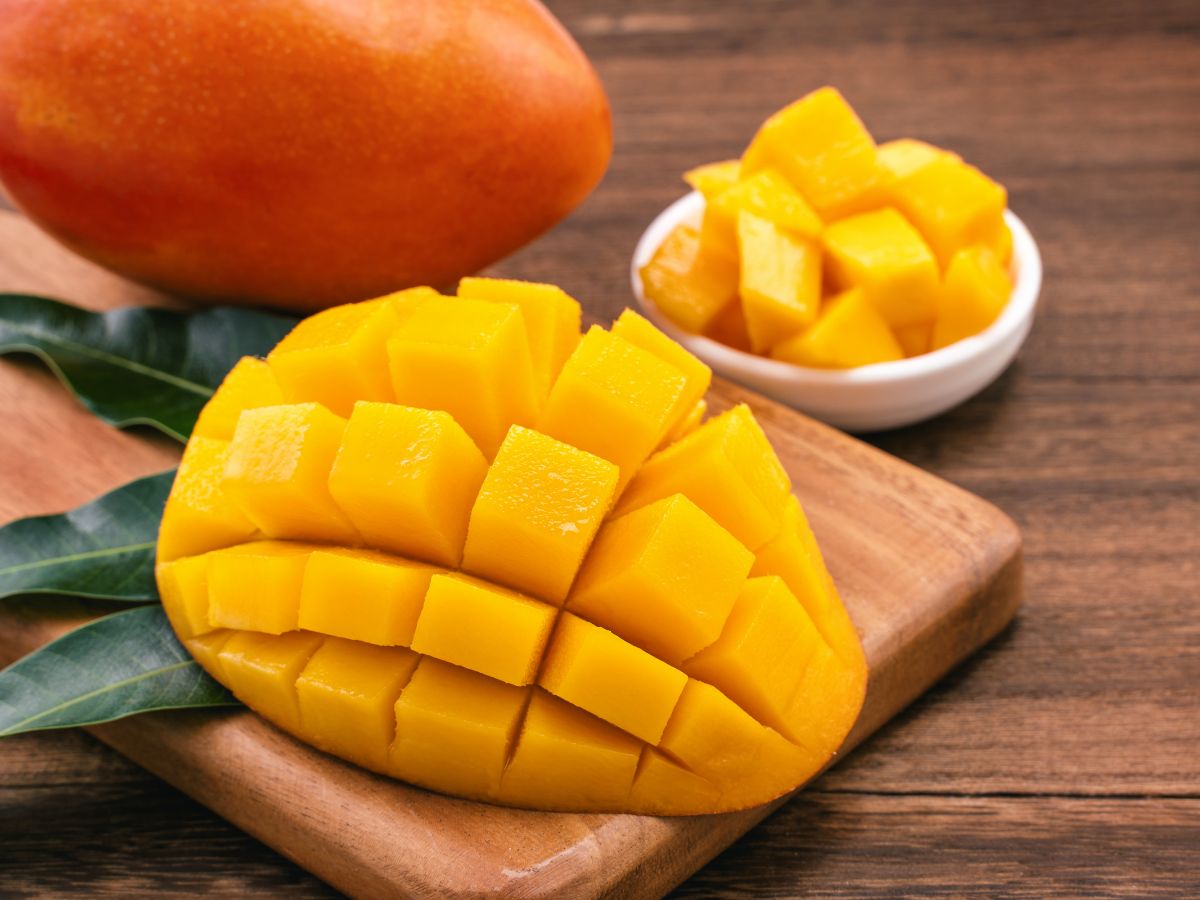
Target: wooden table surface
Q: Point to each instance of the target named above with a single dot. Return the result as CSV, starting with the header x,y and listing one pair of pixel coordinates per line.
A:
x,y
1064,759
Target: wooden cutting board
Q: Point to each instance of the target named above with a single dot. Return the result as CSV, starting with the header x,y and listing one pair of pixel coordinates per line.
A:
x,y
928,571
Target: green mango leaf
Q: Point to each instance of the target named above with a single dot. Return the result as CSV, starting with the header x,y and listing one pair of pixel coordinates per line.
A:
x,y
102,550
138,365
126,663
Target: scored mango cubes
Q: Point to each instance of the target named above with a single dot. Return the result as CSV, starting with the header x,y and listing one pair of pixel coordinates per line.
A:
x,y
453,541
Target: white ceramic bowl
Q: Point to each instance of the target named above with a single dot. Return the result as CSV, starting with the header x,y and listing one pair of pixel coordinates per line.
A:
x,y
868,398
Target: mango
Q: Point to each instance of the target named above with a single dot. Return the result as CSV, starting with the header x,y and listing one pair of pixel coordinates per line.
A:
x,y
851,332
973,295
339,158
780,282
613,605
690,286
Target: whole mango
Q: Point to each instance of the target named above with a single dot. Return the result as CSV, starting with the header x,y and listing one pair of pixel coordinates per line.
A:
x,y
297,153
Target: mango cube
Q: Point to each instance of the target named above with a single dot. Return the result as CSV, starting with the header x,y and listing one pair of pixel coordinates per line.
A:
x,y
454,729
951,203
687,425
363,596
727,468
595,670
263,668
183,587
851,332
470,358
690,286
729,328
205,649
904,156
822,147
714,178
484,628
662,787
347,694
615,400
537,513
770,196
663,577
337,357
566,750
257,586
640,332
552,318
999,240
974,294
199,515
406,478
249,385
760,656
780,282
915,340
883,255
277,471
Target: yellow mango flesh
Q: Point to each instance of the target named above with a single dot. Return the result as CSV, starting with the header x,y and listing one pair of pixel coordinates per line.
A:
x,y
780,281
249,385
768,195
850,333
975,292
714,178
508,624
822,147
888,260
552,319
951,203
691,287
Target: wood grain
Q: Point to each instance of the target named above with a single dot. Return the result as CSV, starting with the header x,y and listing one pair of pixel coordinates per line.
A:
x,y
1075,732
929,572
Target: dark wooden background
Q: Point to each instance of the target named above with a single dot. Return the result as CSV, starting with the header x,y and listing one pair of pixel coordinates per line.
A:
x,y
1065,759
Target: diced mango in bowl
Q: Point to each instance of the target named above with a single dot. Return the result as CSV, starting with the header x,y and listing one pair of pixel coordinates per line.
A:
x,y
820,248
457,542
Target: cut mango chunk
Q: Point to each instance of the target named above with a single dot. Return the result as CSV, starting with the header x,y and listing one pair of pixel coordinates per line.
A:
x,y
183,587
823,148
729,328
565,750
883,255
951,203
904,156
257,586
663,577
714,178
615,400
722,743
689,286
780,282
915,340
595,670
768,195
850,333
664,787
363,595
406,478
199,515
337,357
537,513
1000,240
249,385
552,320
485,584
760,657
728,468
347,694
454,729
484,628
641,333
262,670
974,294
470,358
277,471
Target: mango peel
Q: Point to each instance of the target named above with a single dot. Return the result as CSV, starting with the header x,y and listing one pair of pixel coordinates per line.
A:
x,y
453,541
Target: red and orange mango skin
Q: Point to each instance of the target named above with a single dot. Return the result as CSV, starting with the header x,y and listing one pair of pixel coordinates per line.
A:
x,y
295,153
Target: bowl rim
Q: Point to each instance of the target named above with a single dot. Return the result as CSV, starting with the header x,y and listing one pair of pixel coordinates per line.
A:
x,y
1026,268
